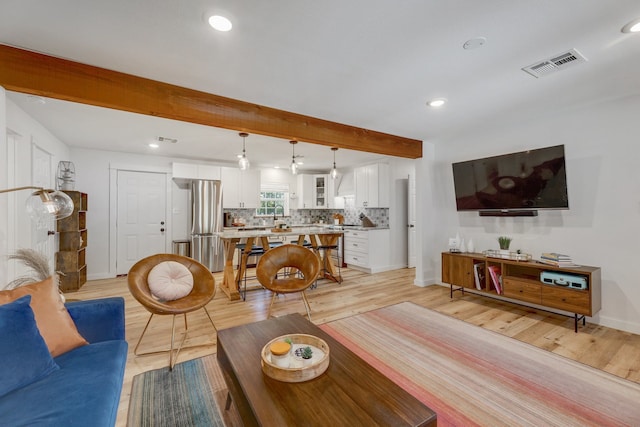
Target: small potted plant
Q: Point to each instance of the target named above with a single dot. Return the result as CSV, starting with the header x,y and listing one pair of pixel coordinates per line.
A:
x,y
304,353
504,243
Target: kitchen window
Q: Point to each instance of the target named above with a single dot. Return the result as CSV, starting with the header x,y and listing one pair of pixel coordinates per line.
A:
x,y
274,200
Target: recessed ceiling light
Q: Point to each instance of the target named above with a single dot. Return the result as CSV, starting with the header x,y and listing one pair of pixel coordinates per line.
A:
x,y
632,27
435,103
220,23
474,43
153,145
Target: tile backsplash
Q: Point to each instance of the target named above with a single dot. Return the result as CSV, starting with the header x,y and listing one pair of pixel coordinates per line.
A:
x,y
379,216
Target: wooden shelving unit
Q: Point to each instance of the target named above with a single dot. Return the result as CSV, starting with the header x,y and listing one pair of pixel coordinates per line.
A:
x,y
521,282
71,258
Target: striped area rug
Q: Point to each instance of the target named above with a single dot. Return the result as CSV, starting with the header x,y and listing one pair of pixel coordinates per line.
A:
x,y
193,394
471,376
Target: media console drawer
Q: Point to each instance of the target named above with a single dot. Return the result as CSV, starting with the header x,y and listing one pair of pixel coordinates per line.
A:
x,y
566,299
521,290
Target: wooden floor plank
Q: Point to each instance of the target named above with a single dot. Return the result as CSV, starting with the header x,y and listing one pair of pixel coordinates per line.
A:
x,y
604,348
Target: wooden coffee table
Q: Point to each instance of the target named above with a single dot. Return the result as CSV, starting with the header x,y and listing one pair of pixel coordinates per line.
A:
x,y
350,393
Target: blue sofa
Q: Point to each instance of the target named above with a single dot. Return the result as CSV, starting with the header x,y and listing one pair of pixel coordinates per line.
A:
x,y
85,391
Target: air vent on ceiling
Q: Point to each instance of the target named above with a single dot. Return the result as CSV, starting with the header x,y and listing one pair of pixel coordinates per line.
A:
x,y
557,63
165,139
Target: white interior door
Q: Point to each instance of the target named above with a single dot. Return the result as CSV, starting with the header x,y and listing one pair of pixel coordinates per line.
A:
x,y
411,222
141,222
43,229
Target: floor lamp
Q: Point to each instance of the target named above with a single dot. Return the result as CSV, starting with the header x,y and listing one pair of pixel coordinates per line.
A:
x,y
46,202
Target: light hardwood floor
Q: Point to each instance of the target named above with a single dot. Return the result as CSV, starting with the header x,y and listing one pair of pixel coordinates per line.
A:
x,y
604,348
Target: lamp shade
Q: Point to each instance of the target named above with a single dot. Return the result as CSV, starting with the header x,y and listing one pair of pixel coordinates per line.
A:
x,y
47,202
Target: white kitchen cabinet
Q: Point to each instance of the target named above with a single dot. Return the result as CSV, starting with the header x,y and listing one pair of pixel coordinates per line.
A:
x,y
189,171
367,250
315,191
372,186
240,189
305,191
331,194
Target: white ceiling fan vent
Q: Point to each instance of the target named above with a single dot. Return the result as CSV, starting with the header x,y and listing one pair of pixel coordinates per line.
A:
x,y
556,63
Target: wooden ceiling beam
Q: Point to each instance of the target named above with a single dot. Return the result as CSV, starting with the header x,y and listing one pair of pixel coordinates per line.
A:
x,y
38,74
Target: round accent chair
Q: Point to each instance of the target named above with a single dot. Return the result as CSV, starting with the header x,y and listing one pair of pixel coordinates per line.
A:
x,y
203,291
288,269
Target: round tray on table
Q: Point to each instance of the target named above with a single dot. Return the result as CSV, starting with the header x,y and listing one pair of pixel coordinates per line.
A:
x,y
296,373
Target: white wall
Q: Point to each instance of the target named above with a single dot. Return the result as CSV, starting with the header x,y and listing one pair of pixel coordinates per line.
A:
x,y
93,169
15,163
602,227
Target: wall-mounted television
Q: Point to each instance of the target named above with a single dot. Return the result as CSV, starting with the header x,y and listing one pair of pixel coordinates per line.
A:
x,y
513,183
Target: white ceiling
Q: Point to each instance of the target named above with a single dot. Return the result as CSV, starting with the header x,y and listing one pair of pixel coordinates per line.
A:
x,y
367,63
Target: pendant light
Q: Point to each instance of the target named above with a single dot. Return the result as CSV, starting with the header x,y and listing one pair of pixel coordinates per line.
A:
x,y
334,171
294,165
243,163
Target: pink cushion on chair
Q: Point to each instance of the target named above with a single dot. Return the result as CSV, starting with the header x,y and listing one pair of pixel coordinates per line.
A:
x,y
170,280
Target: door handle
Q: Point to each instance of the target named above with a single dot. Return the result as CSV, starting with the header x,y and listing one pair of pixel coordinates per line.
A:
x,y
161,222
51,233
410,225
162,230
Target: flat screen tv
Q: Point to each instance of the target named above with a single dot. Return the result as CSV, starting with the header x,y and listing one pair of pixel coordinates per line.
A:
x,y
527,180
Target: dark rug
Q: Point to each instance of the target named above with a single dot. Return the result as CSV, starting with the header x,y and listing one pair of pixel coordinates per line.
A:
x,y
193,394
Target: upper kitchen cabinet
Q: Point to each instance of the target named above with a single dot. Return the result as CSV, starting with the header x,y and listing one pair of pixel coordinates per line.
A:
x,y
372,186
240,189
315,191
183,173
306,196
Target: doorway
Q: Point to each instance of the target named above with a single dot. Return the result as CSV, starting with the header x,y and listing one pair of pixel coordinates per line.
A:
x,y
411,222
141,217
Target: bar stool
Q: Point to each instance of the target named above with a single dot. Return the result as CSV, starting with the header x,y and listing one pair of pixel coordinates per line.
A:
x,y
322,252
256,251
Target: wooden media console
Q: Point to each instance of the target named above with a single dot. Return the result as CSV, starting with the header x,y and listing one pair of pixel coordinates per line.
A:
x,y
521,282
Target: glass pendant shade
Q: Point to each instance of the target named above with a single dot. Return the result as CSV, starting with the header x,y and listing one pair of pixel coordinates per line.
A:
x,y
294,164
243,163
42,203
334,171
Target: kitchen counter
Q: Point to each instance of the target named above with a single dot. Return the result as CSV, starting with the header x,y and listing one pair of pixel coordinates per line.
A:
x,y
317,235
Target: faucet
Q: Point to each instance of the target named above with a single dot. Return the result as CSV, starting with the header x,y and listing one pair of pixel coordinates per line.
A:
x,y
275,211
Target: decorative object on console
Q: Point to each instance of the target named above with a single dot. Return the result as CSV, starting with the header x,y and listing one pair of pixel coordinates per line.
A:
x,y
470,246
557,260
66,175
513,256
504,242
463,246
454,244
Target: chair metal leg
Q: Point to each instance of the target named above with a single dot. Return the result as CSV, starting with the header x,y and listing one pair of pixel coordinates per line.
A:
x,y
135,350
306,305
173,356
273,298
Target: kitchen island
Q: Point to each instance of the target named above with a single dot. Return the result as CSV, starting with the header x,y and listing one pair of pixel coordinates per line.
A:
x,y
317,236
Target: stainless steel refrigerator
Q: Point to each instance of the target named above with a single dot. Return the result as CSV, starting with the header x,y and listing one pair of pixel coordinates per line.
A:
x,y
206,219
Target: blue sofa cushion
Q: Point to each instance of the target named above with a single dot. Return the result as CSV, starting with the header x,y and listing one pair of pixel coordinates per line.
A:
x,y
90,378
24,356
